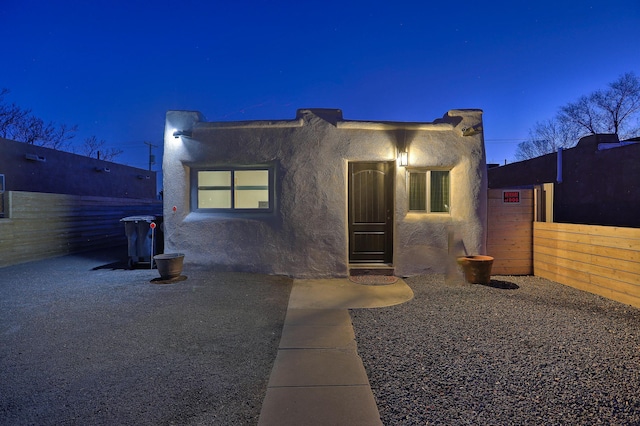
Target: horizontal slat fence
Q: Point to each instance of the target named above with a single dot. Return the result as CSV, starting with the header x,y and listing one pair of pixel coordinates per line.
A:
x,y
46,225
604,260
510,233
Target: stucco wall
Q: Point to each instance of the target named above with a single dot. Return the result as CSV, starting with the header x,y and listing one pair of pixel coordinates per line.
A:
x,y
307,235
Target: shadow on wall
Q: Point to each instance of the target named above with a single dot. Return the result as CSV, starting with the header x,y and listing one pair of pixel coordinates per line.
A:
x,y
455,248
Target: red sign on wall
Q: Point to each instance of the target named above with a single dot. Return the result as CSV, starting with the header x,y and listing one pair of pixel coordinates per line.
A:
x,y
510,196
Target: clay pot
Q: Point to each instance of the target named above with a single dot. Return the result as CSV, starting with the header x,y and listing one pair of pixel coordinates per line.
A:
x,y
169,265
477,269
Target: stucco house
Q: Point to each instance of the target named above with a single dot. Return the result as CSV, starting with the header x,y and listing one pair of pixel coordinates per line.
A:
x,y
318,195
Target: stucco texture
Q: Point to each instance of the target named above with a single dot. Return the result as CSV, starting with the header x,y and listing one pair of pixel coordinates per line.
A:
x,y
306,235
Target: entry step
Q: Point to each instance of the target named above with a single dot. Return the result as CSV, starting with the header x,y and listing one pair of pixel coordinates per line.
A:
x,y
371,270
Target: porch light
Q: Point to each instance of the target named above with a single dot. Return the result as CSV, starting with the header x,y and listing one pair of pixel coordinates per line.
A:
x,y
403,158
179,133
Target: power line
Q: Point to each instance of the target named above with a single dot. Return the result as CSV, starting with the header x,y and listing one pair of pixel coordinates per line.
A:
x,y
152,158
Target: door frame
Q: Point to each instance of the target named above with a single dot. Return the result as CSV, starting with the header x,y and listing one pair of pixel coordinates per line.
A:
x,y
389,186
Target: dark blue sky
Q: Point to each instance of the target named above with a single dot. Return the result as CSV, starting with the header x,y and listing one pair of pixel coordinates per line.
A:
x,y
115,67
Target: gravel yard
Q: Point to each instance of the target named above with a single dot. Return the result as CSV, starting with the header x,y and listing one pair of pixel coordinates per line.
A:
x,y
523,351
85,342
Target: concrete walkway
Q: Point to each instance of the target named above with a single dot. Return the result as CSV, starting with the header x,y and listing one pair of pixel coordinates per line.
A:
x,y
318,377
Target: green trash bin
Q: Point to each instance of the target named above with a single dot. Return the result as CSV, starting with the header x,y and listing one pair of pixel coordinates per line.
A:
x,y
139,236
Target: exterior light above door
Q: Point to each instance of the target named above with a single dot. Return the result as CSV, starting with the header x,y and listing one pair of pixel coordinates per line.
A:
x,y
403,158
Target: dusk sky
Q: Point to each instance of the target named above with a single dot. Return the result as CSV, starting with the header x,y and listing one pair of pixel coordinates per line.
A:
x,y
114,68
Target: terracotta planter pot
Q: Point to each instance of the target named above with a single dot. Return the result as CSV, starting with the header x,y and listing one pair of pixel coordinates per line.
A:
x,y
477,269
169,265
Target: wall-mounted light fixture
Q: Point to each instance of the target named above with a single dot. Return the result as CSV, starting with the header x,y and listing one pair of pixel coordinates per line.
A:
x,y
473,130
103,169
403,158
401,147
179,133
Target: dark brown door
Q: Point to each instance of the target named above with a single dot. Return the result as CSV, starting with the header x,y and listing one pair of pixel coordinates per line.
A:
x,y
371,212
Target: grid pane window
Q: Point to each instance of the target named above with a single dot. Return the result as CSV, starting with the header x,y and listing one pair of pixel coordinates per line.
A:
x,y
214,189
251,189
234,189
429,191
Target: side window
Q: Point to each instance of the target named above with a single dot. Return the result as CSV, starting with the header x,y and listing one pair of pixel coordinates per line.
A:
x,y
429,191
242,189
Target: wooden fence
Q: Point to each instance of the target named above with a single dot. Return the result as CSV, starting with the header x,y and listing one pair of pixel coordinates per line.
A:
x,y
604,260
43,225
510,231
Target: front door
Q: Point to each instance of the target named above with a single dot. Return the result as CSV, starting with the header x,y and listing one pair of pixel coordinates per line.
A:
x,y
371,212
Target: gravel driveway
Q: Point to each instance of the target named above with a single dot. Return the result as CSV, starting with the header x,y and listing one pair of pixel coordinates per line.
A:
x,y
85,341
524,351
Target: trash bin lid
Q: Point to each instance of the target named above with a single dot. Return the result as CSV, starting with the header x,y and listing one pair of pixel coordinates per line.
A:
x,y
148,219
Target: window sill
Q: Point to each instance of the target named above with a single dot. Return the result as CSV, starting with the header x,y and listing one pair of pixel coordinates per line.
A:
x,y
415,216
199,216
